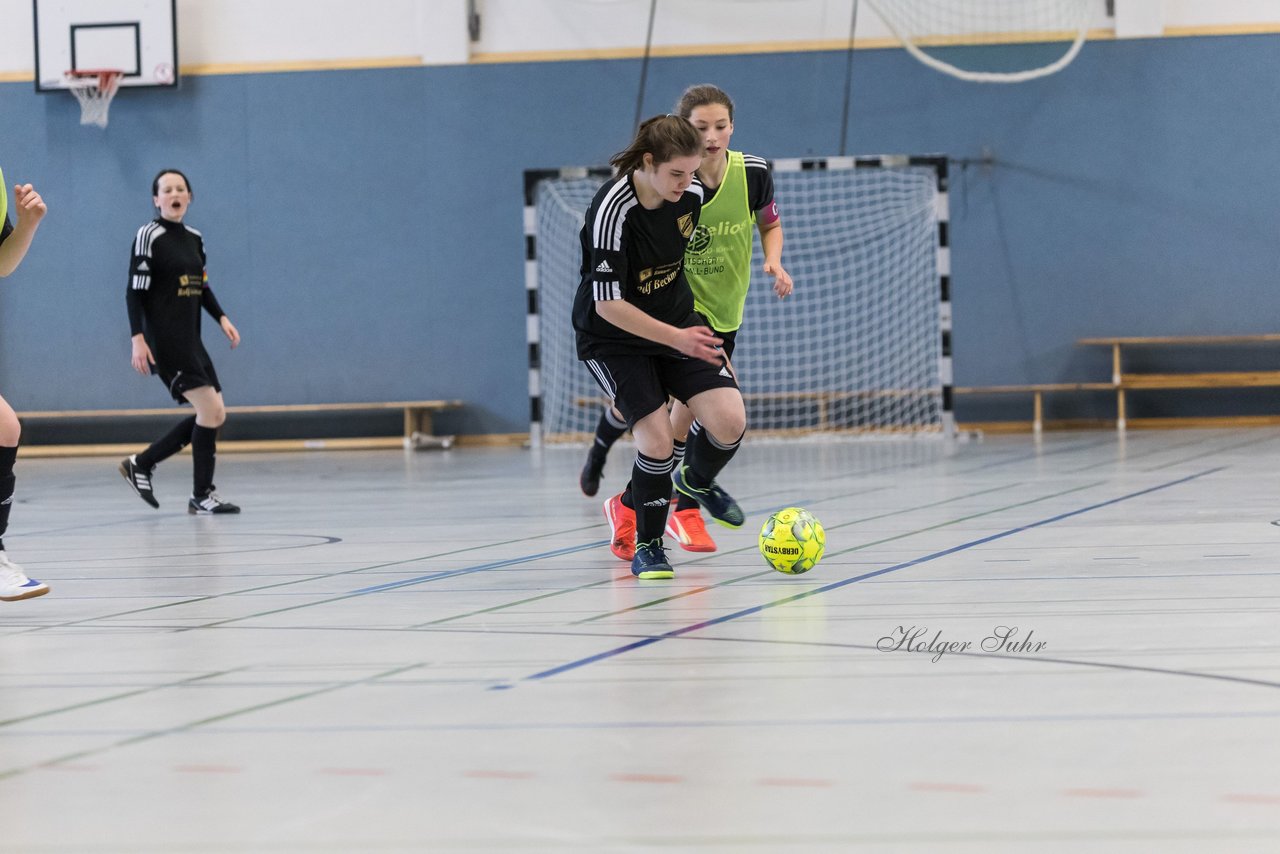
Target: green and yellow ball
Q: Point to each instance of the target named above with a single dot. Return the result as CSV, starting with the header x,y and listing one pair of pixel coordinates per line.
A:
x,y
792,541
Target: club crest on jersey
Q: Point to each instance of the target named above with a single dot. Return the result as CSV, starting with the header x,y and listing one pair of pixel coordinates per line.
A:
x,y
685,224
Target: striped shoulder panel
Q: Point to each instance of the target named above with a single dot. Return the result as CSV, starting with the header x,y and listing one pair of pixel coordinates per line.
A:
x,y
606,231
145,238
753,162
195,231
697,188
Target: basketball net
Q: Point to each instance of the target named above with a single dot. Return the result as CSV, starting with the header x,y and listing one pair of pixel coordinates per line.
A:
x,y
94,90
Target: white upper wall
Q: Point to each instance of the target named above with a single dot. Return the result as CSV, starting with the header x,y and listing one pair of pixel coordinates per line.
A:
x,y
229,35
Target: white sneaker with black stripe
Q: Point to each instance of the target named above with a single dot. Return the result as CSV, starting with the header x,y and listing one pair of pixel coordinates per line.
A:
x,y
139,478
14,584
210,505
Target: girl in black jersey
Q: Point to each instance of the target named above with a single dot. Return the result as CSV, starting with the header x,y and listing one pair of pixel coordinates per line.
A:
x,y
14,242
642,340
168,287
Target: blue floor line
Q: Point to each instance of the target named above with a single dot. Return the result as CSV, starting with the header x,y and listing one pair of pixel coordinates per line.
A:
x,y
746,612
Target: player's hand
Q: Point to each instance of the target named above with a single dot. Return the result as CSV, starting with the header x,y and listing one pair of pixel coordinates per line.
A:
x,y
781,280
229,330
700,342
30,207
142,360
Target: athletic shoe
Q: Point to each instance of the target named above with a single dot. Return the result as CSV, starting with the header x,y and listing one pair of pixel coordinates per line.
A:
x,y
210,504
687,529
622,528
139,478
718,503
651,561
589,480
14,584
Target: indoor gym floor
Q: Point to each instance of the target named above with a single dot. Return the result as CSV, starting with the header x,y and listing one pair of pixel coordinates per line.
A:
x,y
435,651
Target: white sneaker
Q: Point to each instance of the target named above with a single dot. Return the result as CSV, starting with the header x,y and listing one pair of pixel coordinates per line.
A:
x,y
14,584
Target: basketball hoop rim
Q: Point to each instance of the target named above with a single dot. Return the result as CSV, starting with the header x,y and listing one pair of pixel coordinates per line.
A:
x,y
103,78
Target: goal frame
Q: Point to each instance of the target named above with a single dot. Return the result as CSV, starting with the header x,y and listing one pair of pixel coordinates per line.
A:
x,y
937,162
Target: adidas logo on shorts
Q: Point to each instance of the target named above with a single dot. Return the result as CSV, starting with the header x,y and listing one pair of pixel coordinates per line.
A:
x,y
604,267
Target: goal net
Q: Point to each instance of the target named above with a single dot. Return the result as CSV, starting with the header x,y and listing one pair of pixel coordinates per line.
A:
x,y
950,35
862,346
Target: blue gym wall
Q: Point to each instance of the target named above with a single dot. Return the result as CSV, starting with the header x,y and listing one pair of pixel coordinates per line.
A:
x,y
364,227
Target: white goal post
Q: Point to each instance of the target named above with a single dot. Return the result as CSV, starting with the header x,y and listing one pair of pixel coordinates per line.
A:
x,y
862,347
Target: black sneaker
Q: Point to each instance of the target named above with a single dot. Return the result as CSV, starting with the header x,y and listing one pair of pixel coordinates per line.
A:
x,y
139,478
589,480
651,561
718,503
209,505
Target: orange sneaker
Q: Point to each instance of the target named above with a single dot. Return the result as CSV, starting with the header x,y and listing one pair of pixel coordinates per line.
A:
x,y
687,529
622,527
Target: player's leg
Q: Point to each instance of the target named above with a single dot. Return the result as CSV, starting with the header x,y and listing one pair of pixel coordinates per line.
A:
x,y
636,518
138,469
608,430
684,524
650,492
14,583
211,413
720,422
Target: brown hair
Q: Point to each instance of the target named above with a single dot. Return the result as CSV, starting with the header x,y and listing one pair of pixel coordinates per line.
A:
x,y
665,137
702,95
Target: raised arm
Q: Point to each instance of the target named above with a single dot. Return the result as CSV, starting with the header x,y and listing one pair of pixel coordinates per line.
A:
x,y
30,209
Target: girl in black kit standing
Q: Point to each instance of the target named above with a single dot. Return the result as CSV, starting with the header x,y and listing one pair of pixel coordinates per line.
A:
x,y
168,287
639,335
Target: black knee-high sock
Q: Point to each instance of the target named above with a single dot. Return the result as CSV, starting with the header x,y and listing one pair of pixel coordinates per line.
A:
x,y
204,451
705,456
683,502
651,494
608,430
7,458
168,444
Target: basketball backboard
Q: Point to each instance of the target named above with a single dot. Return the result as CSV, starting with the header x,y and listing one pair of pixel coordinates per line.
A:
x,y
138,37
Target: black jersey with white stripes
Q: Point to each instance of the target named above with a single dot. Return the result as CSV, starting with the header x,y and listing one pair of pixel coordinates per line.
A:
x,y
635,254
168,286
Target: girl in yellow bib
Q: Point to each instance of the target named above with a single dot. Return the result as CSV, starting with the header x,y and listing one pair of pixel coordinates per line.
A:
x,y
738,203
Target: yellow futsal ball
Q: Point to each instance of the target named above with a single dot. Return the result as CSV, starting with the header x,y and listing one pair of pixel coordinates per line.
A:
x,y
792,541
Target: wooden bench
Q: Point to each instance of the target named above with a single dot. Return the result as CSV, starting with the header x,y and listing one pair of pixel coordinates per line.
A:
x,y
1122,381
417,432
1037,392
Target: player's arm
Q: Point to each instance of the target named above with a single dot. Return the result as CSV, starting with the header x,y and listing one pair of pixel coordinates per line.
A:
x,y
210,304
699,342
140,356
30,209
768,223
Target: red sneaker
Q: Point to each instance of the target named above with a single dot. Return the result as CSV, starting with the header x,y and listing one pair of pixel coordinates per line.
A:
x,y
622,527
687,529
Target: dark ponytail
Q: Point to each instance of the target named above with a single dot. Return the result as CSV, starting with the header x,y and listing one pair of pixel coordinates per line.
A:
x,y
665,137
